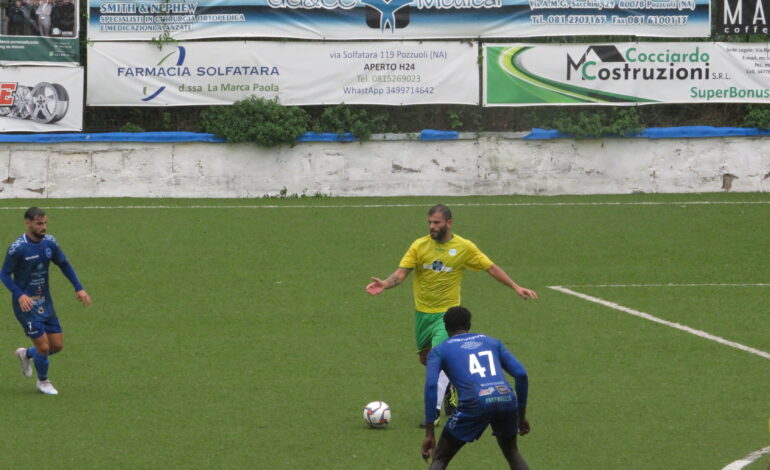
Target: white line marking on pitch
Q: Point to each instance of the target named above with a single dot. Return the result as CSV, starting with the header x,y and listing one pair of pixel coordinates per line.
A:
x,y
710,284
385,206
751,458
651,318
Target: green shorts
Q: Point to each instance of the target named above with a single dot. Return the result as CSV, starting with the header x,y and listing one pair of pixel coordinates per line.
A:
x,y
429,329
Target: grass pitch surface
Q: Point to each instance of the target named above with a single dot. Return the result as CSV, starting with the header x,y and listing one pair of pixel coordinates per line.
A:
x,y
237,334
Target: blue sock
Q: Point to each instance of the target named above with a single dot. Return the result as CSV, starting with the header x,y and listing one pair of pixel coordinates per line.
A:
x,y
41,366
31,352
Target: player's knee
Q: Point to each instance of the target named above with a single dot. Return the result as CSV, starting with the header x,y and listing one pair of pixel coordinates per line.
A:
x,y
43,350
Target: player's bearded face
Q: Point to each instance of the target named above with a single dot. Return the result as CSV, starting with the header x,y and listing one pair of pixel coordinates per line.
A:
x,y
38,226
439,227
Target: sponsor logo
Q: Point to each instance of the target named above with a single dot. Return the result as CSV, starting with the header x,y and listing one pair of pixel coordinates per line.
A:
x,y
452,252
471,345
179,62
608,63
502,389
743,17
168,66
45,102
6,93
486,391
386,15
32,257
437,266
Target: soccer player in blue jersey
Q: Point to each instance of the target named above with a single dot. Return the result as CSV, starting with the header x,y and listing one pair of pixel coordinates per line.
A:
x,y
25,274
475,363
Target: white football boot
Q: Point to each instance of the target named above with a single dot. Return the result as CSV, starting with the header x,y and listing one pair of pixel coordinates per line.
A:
x,y
26,362
45,386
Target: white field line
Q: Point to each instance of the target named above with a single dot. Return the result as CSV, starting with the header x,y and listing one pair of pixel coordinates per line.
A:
x,y
751,458
709,284
678,326
369,206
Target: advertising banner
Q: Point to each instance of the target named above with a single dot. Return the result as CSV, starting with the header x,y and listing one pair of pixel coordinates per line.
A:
x,y
41,99
296,73
118,20
742,17
39,32
626,73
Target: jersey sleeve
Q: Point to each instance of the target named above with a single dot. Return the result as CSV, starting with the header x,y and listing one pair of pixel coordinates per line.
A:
x,y
409,260
60,260
432,371
517,371
9,264
477,261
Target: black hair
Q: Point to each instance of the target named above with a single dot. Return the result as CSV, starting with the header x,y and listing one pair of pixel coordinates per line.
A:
x,y
457,318
441,208
33,213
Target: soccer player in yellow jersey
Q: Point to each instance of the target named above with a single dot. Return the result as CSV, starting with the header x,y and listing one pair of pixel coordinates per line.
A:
x,y
439,261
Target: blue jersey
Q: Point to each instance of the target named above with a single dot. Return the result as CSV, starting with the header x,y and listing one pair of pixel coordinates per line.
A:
x,y
25,271
474,364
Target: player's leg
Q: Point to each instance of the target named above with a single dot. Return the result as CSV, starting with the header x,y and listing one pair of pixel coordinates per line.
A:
x,y
438,336
55,343
424,335
446,449
505,427
511,452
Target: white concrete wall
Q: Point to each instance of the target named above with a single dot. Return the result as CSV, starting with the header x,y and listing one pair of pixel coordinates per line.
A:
x,y
486,165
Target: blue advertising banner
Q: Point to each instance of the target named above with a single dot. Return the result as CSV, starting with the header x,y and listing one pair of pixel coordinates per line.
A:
x,y
395,19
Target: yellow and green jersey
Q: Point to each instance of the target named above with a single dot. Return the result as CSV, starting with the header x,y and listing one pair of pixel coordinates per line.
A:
x,y
438,270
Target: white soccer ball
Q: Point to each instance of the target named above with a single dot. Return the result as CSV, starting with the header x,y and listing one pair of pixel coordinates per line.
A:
x,y
377,414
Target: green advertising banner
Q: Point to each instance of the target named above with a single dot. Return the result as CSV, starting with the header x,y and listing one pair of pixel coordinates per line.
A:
x,y
39,32
626,73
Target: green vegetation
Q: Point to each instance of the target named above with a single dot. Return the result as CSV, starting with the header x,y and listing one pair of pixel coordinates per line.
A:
x,y
757,116
234,338
362,124
598,122
257,120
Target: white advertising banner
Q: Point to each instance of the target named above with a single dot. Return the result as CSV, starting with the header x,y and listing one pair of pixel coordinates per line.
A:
x,y
626,73
296,73
392,20
41,99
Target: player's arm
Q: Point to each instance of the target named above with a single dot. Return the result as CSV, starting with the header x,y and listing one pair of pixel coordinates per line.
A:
x,y
432,371
69,272
502,277
519,373
18,295
379,285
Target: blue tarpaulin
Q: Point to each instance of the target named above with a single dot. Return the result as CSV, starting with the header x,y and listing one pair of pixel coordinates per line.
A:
x,y
425,135
326,137
665,133
113,137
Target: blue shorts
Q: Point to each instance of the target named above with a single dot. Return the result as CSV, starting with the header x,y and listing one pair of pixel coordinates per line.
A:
x,y
35,327
467,427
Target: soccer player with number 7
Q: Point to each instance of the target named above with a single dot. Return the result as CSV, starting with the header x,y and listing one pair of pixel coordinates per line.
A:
x,y
25,274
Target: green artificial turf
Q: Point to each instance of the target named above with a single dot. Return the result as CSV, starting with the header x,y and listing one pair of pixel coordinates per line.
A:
x,y
236,334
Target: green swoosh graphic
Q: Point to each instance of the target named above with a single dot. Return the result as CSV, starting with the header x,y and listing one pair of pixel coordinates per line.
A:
x,y
510,83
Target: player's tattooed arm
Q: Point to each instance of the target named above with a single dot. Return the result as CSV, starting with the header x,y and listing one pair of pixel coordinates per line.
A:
x,y
379,285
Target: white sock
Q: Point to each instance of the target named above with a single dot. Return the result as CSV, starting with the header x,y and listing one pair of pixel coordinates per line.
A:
x,y
443,383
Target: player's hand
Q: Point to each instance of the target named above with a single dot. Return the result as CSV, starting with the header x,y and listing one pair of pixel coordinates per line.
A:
x,y
83,297
26,303
524,427
525,293
376,286
428,446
